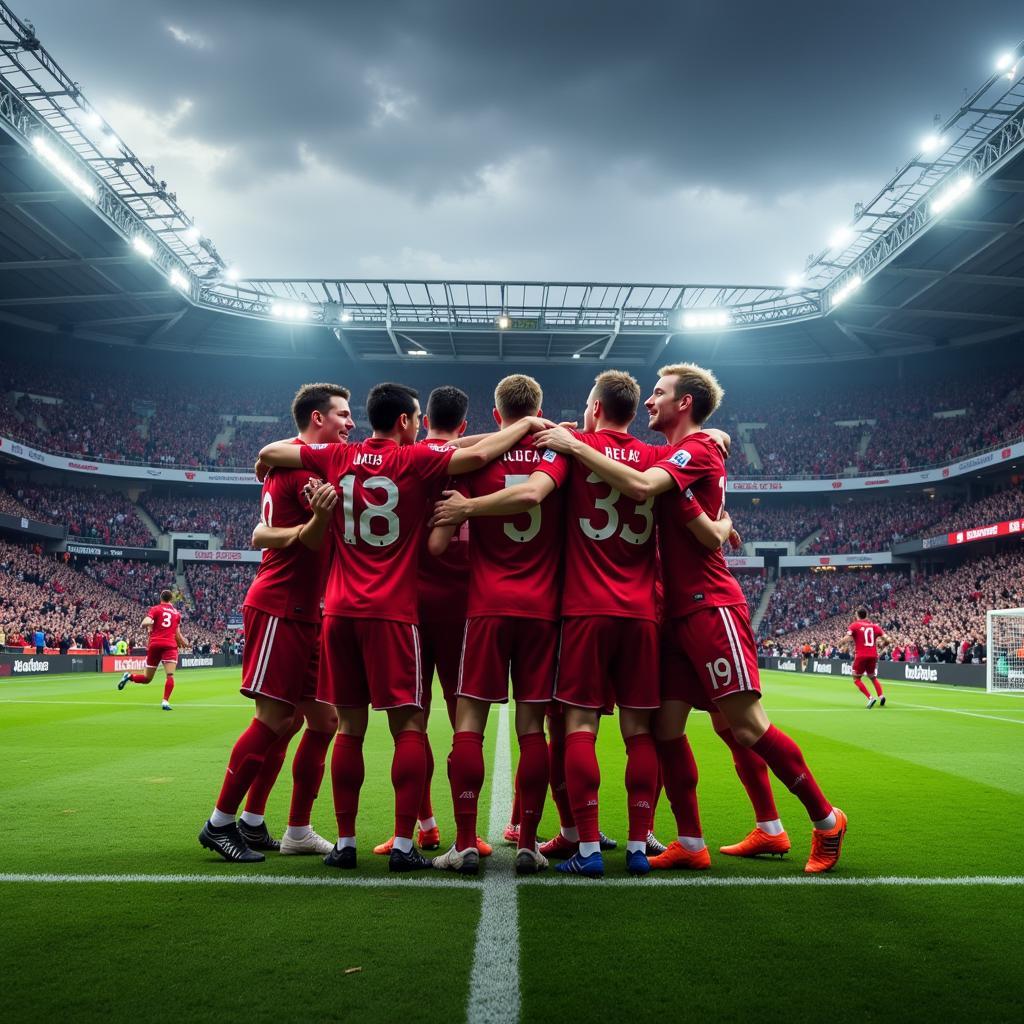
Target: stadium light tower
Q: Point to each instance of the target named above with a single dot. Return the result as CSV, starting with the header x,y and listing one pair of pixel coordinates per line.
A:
x,y
142,247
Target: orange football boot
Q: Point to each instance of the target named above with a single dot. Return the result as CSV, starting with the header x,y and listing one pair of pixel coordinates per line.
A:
x,y
678,856
757,843
483,847
826,845
429,838
384,849
512,834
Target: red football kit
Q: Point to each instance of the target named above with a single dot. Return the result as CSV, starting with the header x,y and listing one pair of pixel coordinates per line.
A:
x,y
281,613
515,573
865,639
708,647
163,634
609,642
443,588
370,645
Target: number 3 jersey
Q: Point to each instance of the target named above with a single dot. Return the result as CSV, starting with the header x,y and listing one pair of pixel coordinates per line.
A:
x,y
386,494
516,561
164,630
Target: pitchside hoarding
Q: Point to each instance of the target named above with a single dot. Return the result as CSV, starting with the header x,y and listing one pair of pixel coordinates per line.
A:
x,y
904,671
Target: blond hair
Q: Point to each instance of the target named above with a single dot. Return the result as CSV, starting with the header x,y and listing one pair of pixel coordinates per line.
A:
x,y
619,395
517,396
701,384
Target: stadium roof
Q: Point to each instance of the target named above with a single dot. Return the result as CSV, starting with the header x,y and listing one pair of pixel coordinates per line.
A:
x,y
94,246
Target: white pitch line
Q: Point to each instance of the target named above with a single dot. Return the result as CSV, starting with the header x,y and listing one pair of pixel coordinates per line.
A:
x,y
355,882
115,703
789,881
494,979
968,714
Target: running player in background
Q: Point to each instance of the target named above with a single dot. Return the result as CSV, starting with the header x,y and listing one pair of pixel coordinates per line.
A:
x,y
370,648
281,614
867,637
709,656
442,588
165,639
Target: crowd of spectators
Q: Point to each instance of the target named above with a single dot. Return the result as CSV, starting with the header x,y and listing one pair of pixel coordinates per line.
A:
x,y
996,508
248,438
752,584
102,517
218,591
140,582
877,525
761,522
231,519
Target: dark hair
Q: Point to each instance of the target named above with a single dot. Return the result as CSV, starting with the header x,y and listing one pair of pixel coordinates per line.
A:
x,y
862,612
311,398
386,402
446,407
165,595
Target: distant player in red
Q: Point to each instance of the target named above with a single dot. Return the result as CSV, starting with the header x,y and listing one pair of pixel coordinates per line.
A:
x,y
867,638
443,589
709,656
281,615
370,650
164,640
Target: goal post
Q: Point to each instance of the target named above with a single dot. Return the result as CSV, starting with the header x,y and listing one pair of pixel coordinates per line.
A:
x,y
1004,663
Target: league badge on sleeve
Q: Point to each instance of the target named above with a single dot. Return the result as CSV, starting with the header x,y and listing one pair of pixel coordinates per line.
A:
x,y
680,458
550,455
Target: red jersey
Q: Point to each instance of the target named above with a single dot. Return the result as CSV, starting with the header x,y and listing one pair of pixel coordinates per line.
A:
x,y
865,637
694,576
443,583
387,491
290,581
515,561
610,540
166,619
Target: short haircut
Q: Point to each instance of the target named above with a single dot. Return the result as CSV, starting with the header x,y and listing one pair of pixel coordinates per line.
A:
x,y
446,407
386,402
700,383
311,398
862,612
165,595
619,394
517,396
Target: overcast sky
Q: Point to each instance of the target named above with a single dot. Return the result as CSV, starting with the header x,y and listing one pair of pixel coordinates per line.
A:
x,y
664,141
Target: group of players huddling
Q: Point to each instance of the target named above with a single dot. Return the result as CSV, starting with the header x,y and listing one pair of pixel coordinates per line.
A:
x,y
585,567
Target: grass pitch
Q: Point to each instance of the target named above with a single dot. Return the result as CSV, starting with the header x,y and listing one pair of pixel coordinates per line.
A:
x,y
101,783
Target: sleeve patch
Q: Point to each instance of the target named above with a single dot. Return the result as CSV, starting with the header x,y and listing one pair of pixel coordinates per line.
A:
x,y
550,455
689,494
317,447
680,458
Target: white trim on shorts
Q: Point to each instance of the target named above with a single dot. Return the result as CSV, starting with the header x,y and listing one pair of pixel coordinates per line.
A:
x,y
462,658
739,663
263,659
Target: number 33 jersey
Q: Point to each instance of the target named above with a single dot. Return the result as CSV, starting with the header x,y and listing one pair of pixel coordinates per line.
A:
x,y
516,561
385,493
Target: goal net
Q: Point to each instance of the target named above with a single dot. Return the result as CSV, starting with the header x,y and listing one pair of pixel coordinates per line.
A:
x,y
1005,650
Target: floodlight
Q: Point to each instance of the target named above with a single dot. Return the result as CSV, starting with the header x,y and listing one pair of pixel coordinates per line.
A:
x,y
847,290
142,247
191,234
795,281
504,323
178,279
930,143
953,193
576,355
346,317
703,319
841,237
418,352
92,119
1004,61
63,168
290,311
232,274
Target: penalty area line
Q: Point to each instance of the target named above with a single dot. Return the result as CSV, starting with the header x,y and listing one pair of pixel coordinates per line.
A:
x,y
266,881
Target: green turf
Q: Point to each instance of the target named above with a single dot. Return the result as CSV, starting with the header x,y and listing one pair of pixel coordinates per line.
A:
x,y
96,781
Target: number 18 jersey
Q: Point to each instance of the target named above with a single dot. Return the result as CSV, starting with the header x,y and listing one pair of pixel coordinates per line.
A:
x,y
516,561
610,539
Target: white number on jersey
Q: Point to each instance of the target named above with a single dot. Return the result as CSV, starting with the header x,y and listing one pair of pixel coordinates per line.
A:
x,y
268,510
384,511
869,636
165,619
531,531
607,506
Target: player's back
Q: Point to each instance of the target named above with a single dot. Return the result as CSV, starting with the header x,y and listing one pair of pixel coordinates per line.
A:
x,y
610,541
865,635
515,561
166,619
695,577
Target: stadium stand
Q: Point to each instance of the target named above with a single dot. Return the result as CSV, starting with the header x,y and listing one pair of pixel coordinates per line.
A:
x,y
218,591
231,519
105,517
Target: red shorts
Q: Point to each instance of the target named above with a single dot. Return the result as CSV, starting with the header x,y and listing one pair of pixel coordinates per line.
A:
x,y
709,655
158,653
604,659
441,651
370,661
497,646
865,666
280,657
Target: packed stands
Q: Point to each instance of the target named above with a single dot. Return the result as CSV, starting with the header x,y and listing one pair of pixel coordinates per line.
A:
x,y
761,522
878,525
249,438
996,508
140,582
231,519
104,517
753,585
218,591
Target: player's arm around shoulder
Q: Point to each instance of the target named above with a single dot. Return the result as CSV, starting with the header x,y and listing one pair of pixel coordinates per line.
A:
x,y
713,533
455,508
281,453
629,481
491,446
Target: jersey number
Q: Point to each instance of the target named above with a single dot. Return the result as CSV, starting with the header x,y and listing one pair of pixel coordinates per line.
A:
x,y
869,636
268,510
607,506
385,511
165,620
531,531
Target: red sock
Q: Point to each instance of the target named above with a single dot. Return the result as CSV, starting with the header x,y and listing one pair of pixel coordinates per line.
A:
x,y
138,677
517,806
787,763
266,777
426,805
641,783
679,770
408,767
347,773
466,773
877,685
753,773
860,686
246,758
583,776
532,780
307,774
556,758
168,687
